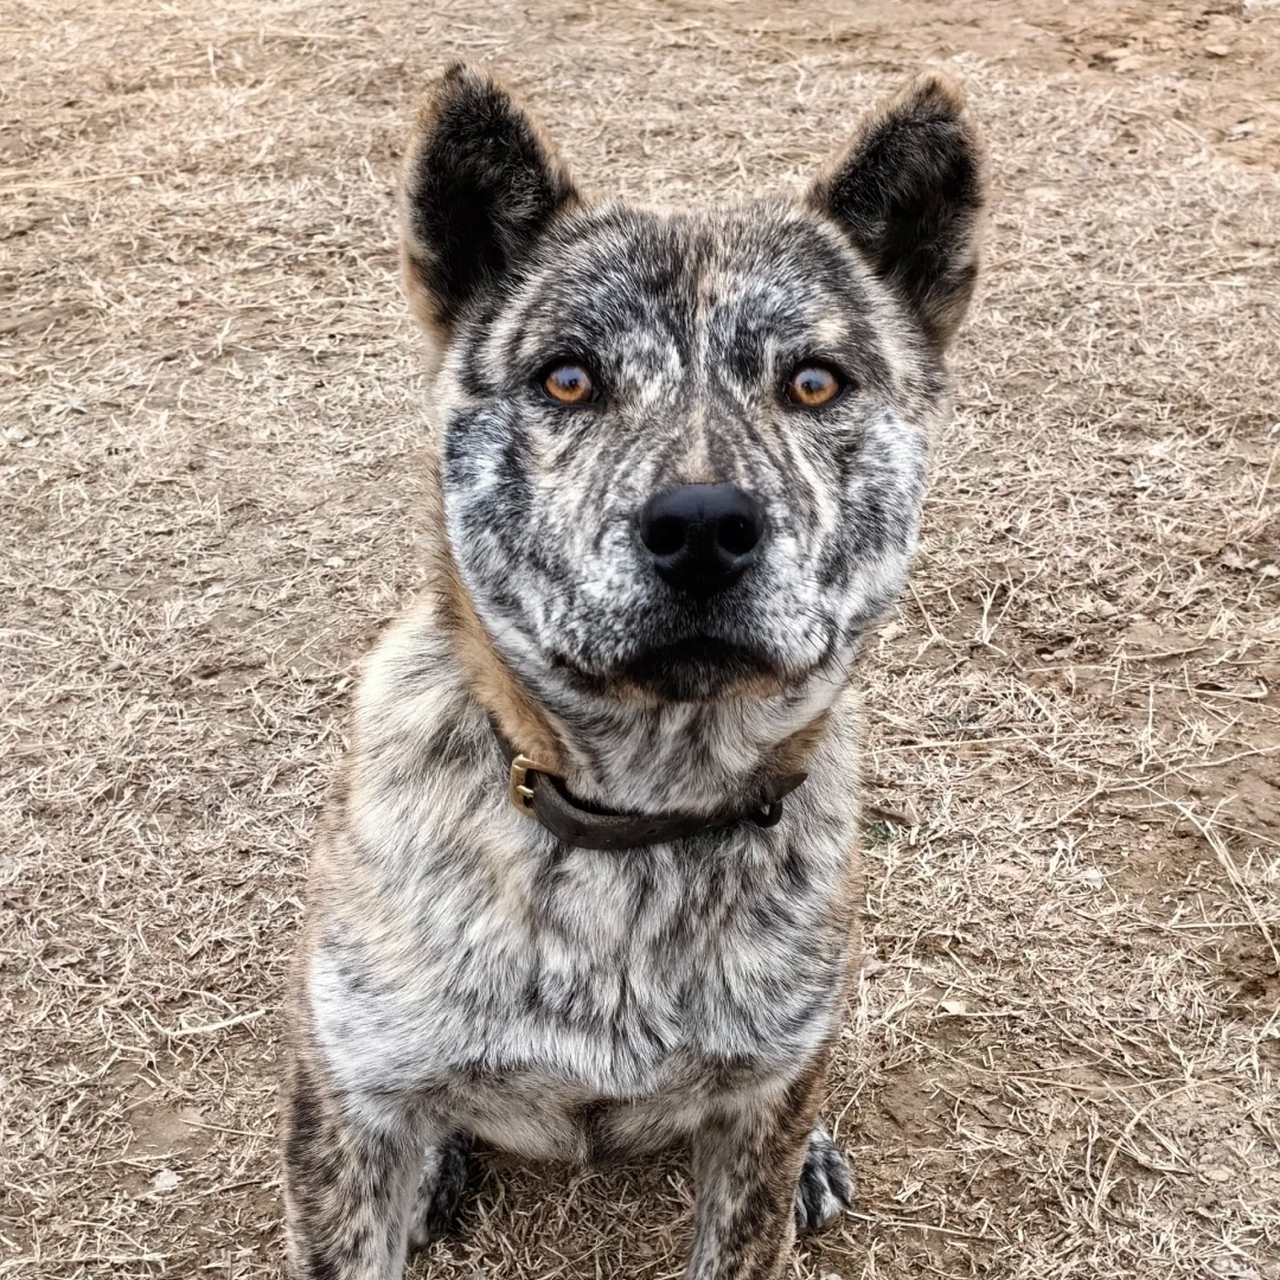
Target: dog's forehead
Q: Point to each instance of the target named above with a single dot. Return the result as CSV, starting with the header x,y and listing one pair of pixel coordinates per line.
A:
x,y
758,269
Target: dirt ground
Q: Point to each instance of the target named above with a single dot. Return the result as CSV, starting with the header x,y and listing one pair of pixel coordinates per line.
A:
x,y
1064,1061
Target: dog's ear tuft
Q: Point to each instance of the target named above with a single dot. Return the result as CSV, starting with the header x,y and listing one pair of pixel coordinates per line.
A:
x,y
909,192
480,185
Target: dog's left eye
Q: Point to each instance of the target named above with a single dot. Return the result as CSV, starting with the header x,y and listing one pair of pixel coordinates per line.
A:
x,y
813,384
568,383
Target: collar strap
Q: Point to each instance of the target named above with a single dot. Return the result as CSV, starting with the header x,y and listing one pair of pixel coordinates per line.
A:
x,y
540,794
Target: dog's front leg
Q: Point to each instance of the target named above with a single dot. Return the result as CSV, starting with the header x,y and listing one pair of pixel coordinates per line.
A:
x,y
351,1167
747,1163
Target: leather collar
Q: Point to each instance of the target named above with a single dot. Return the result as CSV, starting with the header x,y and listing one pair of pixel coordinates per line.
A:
x,y
541,795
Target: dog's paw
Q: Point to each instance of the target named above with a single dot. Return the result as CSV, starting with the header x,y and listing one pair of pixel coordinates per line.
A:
x,y
825,1189
446,1176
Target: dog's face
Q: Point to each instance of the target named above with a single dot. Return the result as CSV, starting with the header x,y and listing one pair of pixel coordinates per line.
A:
x,y
683,456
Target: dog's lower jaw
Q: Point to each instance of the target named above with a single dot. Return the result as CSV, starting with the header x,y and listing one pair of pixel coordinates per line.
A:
x,y
695,669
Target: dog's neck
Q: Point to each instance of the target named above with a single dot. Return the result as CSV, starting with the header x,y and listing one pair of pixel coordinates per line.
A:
x,y
640,756
695,757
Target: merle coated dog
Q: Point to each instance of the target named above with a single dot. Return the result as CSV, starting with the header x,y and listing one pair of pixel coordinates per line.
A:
x,y
587,882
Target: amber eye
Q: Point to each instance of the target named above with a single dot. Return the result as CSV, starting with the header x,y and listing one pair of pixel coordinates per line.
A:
x,y
569,383
813,384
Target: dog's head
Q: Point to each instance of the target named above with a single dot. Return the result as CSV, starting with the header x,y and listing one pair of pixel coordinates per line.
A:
x,y
683,455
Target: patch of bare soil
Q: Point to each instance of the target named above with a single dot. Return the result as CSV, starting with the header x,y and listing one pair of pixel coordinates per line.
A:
x,y
1064,1062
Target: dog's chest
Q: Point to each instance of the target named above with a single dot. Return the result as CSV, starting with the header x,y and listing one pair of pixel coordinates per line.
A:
x,y
659,952
593,977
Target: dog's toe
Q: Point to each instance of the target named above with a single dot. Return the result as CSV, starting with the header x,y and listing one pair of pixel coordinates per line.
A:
x,y
825,1189
446,1176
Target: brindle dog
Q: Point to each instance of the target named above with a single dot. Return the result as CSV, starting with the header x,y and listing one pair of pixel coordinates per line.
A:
x,y
560,903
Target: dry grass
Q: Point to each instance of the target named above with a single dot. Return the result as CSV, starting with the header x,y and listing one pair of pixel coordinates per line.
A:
x,y
1065,1062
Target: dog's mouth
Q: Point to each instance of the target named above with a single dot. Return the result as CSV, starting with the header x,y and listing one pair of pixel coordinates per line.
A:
x,y
701,655
694,669
697,669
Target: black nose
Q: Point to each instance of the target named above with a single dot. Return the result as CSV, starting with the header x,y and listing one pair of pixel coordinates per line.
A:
x,y
701,536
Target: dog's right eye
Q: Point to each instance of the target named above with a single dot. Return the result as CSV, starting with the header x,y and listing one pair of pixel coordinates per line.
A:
x,y
568,383
812,384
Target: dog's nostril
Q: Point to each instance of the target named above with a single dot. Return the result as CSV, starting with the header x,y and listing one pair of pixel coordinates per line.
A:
x,y
663,536
701,537
738,534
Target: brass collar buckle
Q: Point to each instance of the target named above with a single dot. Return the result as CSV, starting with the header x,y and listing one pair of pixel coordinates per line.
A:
x,y
519,792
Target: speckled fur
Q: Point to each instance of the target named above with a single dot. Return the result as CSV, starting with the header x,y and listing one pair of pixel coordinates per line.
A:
x,y
461,974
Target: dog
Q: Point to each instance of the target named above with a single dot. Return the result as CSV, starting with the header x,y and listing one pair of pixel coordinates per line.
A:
x,y
586,885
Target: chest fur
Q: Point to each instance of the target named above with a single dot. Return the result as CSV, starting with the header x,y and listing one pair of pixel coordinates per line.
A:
x,y
610,972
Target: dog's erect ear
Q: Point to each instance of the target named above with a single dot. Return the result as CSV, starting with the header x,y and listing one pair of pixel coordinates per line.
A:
x,y
909,192
480,185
